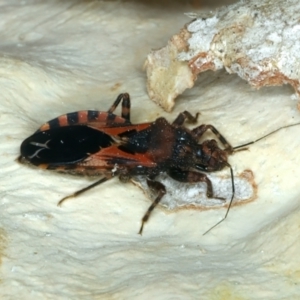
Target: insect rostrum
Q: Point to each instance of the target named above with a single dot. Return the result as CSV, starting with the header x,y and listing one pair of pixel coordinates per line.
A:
x,y
98,143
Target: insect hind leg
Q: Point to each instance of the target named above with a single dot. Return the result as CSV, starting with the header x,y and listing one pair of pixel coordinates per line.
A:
x,y
193,177
77,193
158,187
185,116
200,130
125,98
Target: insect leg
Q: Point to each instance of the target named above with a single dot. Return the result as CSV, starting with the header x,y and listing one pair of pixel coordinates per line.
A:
x,y
183,116
125,105
82,190
200,130
160,188
192,177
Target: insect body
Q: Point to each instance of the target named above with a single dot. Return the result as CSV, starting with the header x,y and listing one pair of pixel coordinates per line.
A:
x,y
103,144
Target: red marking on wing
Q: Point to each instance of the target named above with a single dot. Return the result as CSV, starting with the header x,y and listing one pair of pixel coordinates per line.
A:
x,y
116,130
108,157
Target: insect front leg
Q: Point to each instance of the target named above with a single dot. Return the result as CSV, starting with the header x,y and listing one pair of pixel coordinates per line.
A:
x,y
192,177
200,130
125,98
183,116
77,193
161,190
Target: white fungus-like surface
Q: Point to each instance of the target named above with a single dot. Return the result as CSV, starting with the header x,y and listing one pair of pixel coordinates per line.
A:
x,y
257,40
64,56
193,195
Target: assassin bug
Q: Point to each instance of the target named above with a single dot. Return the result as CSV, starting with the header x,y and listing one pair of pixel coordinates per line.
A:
x,y
97,143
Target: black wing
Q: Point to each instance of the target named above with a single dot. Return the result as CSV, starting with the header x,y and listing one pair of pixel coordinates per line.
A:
x,y
64,145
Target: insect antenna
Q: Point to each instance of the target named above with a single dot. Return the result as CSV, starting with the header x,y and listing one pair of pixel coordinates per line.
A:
x,y
270,133
230,203
239,148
